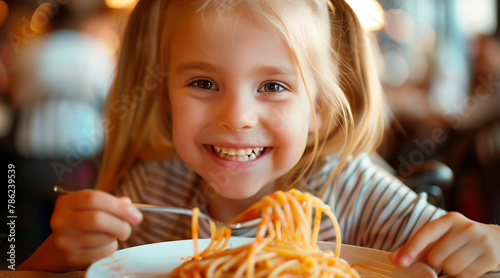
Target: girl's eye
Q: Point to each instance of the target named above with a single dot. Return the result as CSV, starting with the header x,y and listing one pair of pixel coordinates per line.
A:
x,y
272,87
203,84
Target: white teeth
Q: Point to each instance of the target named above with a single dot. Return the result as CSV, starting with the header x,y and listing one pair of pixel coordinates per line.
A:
x,y
233,154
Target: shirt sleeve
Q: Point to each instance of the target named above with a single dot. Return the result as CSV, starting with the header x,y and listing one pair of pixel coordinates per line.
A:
x,y
375,209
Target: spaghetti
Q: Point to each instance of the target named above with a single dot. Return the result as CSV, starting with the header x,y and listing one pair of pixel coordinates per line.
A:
x,y
285,244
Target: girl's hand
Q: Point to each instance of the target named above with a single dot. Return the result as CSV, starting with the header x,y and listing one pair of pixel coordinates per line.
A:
x,y
87,224
455,244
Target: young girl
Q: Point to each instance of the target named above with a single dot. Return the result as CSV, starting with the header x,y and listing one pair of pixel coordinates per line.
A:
x,y
218,103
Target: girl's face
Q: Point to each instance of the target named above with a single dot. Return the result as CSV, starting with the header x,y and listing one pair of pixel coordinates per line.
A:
x,y
240,112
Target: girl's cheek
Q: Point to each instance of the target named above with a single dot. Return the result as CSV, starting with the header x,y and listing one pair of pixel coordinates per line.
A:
x,y
288,119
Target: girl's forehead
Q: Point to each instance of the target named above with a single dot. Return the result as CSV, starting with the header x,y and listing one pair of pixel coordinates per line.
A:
x,y
218,25
212,20
233,32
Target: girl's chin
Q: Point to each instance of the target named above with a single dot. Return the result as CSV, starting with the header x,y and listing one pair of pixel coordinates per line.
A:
x,y
235,195
230,192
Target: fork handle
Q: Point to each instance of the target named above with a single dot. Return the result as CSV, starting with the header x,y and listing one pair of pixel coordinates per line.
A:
x,y
183,211
146,207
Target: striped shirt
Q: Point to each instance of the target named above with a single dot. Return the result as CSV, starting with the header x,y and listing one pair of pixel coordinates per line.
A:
x,y
374,209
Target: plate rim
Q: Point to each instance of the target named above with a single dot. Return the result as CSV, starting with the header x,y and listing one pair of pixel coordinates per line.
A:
x,y
94,269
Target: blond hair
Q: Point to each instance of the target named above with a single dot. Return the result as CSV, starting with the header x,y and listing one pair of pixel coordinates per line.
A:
x,y
349,100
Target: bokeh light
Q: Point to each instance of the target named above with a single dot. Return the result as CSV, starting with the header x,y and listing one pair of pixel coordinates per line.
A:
x,y
369,12
40,21
396,71
400,26
4,11
120,4
418,65
477,17
425,38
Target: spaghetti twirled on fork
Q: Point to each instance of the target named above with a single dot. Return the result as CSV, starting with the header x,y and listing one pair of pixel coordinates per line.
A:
x,y
285,244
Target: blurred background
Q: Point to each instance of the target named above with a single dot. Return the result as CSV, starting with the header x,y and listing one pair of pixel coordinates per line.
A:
x,y
439,62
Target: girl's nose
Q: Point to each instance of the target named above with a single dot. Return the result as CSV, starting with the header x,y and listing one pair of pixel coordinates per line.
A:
x,y
237,114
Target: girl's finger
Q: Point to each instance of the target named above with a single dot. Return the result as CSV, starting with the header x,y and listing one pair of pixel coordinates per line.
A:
x,y
92,222
445,247
478,267
461,259
422,239
98,200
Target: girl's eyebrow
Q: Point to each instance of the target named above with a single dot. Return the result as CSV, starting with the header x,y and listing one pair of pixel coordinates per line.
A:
x,y
276,70
190,66
261,70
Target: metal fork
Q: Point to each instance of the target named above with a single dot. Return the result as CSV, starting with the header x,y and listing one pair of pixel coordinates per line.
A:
x,y
183,211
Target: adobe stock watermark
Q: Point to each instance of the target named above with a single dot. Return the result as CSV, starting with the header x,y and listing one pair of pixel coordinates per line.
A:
x,y
150,83
82,150
94,138
483,92
11,216
40,20
427,147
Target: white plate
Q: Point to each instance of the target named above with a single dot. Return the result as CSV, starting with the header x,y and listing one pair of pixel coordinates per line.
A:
x,y
157,260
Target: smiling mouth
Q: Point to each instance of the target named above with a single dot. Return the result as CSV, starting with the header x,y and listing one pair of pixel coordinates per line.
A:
x,y
238,154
